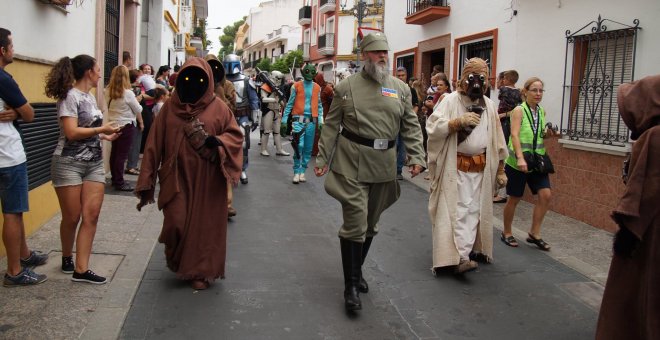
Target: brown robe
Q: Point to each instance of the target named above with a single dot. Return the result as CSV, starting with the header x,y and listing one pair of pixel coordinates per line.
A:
x,y
631,302
192,189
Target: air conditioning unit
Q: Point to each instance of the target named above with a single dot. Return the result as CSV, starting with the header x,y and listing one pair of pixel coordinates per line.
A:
x,y
180,41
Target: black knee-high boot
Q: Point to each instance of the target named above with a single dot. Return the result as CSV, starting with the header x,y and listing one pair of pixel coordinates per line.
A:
x,y
364,287
351,259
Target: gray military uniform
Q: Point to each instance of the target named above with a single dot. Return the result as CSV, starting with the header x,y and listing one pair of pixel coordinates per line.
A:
x,y
362,178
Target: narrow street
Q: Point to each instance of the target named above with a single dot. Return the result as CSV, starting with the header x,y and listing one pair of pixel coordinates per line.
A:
x,y
284,278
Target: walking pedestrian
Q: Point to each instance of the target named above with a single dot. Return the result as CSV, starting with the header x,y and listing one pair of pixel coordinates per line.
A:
x,y
372,107
77,166
466,154
194,150
509,97
14,177
123,109
527,126
631,302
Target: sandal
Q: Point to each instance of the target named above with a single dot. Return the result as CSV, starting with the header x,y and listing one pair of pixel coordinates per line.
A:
x,y
509,241
499,200
538,242
132,172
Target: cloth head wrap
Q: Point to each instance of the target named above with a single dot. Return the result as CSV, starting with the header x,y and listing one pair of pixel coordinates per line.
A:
x,y
473,66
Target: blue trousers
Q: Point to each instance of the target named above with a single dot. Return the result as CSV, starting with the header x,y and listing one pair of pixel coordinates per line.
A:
x,y
305,145
400,155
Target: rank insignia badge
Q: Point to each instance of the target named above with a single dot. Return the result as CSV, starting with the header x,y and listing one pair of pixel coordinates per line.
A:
x,y
389,92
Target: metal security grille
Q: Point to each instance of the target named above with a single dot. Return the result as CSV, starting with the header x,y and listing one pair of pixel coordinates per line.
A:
x,y
40,138
111,38
415,6
480,49
597,61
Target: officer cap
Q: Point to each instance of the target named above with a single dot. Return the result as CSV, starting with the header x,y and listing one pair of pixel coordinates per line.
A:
x,y
374,42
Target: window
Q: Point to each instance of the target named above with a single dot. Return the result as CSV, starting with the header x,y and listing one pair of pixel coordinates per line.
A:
x,y
480,45
480,49
597,62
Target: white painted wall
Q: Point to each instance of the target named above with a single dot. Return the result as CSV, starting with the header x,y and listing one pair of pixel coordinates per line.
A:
x,y
532,42
345,34
271,15
45,32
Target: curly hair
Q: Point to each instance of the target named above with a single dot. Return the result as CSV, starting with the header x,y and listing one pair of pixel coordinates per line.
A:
x,y
119,81
65,73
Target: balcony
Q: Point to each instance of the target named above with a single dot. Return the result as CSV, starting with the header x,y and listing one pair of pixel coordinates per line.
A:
x,y
326,45
305,15
327,6
421,12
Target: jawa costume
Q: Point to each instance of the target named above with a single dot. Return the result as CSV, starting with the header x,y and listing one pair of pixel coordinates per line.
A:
x,y
631,302
225,91
306,111
194,149
466,150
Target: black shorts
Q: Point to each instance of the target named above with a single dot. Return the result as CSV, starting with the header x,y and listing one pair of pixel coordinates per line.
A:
x,y
516,180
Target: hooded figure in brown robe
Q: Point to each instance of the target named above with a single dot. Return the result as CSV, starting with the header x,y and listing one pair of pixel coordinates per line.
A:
x,y
195,150
631,303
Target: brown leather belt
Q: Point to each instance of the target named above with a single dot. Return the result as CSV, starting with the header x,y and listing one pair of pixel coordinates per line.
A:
x,y
467,163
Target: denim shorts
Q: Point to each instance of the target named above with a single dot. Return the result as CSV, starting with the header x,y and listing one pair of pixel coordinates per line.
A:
x,y
65,171
14,189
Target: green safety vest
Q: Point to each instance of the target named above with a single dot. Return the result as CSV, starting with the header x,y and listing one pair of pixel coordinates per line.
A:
x,y
527,135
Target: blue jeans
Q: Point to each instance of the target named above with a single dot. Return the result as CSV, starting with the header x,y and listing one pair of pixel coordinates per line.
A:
x,y
400,155
14,189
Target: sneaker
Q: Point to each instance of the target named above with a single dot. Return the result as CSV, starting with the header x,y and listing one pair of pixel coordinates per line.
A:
x,y
67,265
302,178
36,258
282,153
399,177
25,278
231,211
296,178
89,277
124,187
264,153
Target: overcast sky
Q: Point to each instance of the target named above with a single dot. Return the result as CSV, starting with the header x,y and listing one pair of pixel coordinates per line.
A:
x,y
226,12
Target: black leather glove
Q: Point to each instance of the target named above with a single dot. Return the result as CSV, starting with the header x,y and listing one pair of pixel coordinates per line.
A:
x,y
212,142
625,243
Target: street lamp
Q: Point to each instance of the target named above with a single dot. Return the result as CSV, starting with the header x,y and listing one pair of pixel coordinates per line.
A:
x,y
360,10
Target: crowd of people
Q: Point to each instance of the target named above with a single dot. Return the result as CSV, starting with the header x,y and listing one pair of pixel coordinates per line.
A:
x,y
363,131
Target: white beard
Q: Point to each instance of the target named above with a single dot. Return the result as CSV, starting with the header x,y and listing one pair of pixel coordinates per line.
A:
x,y
376,71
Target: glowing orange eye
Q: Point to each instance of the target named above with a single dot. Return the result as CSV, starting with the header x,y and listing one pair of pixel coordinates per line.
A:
x,y
187,78
201,80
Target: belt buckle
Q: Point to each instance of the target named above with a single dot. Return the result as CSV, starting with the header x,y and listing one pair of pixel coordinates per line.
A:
x,y
380,144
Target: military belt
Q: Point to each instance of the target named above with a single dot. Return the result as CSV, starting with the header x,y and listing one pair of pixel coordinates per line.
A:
x,y
378,144
303,119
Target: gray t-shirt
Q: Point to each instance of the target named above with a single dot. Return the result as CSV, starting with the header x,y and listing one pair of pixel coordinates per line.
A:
x,y
80,105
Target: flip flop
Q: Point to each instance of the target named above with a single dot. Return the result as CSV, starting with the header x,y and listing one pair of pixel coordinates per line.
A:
x,y
509,241
501,200
538,242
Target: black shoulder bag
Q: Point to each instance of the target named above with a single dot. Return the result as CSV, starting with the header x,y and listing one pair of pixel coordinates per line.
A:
x,y
536,162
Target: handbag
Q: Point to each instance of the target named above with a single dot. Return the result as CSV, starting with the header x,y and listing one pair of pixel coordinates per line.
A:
x,y
536,162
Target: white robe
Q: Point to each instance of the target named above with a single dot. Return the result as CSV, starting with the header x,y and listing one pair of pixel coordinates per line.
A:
x,y
442,148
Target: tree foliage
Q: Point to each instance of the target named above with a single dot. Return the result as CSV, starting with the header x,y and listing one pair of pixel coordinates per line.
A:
x,y
228,37
265,65
285,64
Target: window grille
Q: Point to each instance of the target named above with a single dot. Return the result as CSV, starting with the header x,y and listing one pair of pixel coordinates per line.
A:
x,y
597,61
479,49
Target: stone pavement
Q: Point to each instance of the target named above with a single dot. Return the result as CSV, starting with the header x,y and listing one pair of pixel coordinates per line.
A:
x,y
284,277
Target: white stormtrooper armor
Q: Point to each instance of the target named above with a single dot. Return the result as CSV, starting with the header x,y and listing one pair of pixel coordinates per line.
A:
x,y
272,116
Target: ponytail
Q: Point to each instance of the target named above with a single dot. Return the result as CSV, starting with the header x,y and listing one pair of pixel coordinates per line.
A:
x,y
66,71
